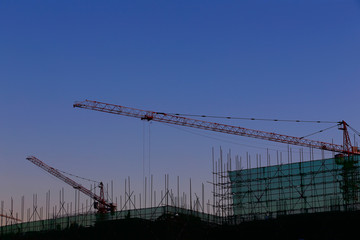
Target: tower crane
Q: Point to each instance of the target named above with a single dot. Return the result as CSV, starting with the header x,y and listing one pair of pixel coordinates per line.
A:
x,y
102,205
346,148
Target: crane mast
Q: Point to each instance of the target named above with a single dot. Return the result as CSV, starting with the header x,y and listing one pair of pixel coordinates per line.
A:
x,y
100,204
223,128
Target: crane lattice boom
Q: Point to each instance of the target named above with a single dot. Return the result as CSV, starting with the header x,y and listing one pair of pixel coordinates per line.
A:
x,y
100,199
10,217
212,126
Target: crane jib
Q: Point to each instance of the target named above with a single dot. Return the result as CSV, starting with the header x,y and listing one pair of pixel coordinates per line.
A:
x,y
217,127
75,185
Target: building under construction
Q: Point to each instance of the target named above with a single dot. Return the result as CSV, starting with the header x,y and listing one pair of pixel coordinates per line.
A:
x,y
325,190
326,185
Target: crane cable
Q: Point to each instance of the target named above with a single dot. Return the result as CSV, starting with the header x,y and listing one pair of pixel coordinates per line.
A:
x,y
242,118
90,180
266,119
355,131
319,131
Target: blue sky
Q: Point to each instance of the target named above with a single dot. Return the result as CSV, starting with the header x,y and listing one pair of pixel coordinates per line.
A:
x,y
261,59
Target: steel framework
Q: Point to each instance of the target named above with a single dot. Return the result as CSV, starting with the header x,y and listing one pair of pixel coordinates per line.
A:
x,y
306,187
223,128
101,204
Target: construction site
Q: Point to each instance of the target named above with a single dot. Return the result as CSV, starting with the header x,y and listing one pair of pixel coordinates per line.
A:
x,y
299,197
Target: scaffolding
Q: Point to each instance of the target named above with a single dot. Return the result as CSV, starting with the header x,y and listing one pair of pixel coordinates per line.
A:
x,y
239,194
293,188
131,205
91,219
222,197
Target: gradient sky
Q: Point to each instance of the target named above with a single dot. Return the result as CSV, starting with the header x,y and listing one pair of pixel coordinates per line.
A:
x,y
262,59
